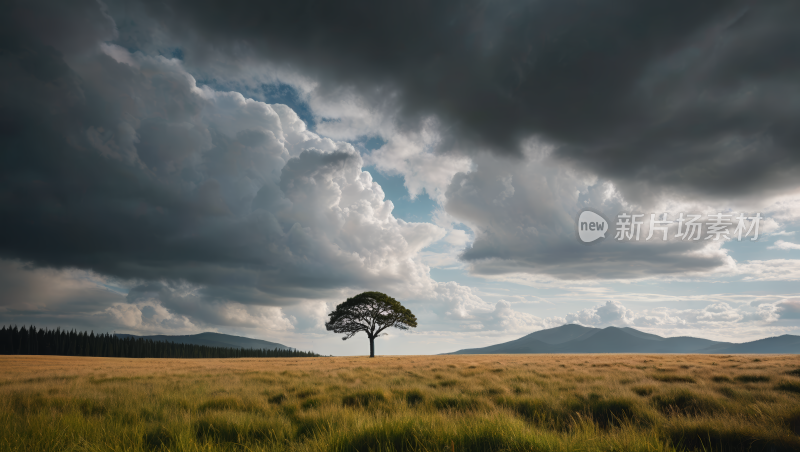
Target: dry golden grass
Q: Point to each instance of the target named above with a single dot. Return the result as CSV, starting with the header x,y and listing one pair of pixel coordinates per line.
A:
x,y
425,403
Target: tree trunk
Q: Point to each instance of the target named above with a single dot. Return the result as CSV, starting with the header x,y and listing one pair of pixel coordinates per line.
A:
x,y
371,347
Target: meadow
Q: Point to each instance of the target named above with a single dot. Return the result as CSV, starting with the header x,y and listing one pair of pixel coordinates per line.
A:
x,y
409,403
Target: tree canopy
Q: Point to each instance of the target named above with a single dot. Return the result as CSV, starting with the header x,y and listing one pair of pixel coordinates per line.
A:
x,y
372,313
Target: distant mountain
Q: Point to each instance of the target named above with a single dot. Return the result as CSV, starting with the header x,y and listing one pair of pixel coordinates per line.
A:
x,y
786,344
215,340
560,335
581,339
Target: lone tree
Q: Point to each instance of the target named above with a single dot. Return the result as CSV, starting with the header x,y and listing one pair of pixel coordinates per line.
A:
x,y
370,312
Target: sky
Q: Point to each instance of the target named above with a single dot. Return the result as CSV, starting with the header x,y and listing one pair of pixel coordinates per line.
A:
x,y
175,167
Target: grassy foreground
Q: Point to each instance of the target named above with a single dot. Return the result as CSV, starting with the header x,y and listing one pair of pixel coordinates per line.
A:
x,y
431,403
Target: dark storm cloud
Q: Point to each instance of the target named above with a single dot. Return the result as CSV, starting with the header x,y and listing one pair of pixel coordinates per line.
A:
x,y
118,163
691,95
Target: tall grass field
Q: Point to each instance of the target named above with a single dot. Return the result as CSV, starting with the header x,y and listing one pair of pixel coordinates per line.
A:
x,y
410,403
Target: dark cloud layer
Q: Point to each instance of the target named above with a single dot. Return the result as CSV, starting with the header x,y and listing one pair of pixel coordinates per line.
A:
x,y
694,96
120,164
124,168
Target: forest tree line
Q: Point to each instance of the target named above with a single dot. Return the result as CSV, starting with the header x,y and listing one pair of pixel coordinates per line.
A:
x,y
33,341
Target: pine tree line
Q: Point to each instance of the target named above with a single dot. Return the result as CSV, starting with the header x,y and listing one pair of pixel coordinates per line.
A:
x,y
33,341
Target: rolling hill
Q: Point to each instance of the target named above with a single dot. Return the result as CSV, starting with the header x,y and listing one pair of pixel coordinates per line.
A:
x,y
215,340
580,339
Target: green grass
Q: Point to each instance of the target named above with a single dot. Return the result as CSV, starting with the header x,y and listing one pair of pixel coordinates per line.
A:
x,y
791,386
452,403
364,398
686,401
669,378
752,378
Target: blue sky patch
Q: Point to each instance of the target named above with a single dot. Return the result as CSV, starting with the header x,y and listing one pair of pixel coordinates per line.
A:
x,y
415,210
